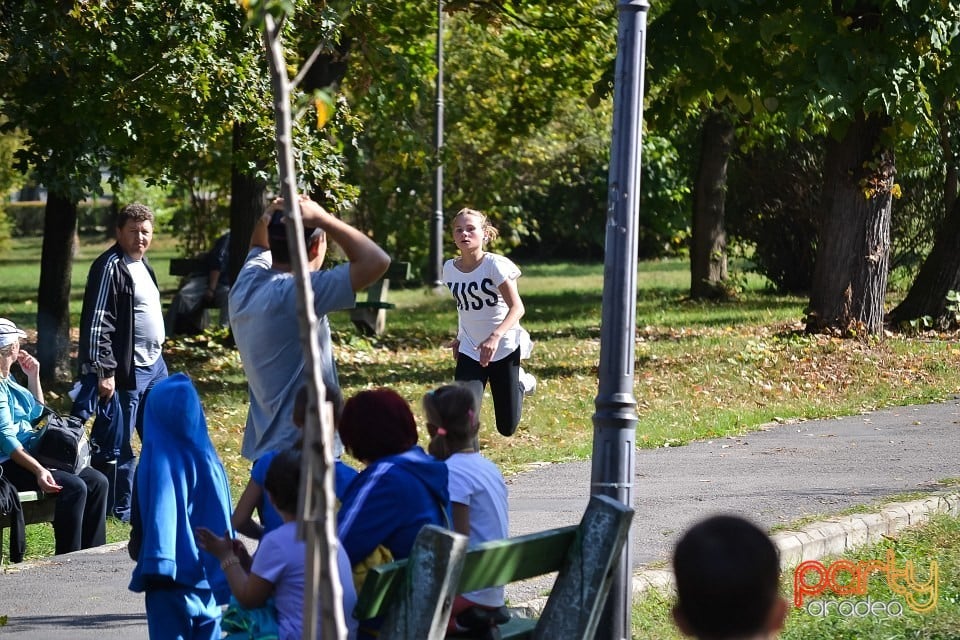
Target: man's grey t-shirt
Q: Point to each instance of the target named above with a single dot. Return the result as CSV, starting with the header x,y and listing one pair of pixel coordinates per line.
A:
x,y
148,330
263,316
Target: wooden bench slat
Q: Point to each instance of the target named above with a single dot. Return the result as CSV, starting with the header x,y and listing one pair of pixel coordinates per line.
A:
x,y
187,266
517,628
35,506
500,562
368,304
370,315
30,496
380,587
583,555
435,562
576,601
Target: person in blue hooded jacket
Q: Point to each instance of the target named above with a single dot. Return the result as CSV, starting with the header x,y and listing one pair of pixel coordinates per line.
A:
x,y
180,485
401,489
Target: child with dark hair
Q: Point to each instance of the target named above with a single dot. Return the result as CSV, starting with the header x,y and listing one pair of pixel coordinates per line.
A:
x,y
728,575
478,494
277,569
253,497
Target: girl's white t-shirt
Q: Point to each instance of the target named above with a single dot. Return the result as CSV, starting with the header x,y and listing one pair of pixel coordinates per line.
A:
x,y
477,482
480,306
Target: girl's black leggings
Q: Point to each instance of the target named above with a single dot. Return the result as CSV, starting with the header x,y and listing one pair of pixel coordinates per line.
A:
x,y
504,379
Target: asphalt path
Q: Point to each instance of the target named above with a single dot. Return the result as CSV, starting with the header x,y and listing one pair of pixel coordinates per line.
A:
x,y
774,476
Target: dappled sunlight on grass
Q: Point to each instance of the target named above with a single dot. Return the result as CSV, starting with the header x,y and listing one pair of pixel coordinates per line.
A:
x,y
702,370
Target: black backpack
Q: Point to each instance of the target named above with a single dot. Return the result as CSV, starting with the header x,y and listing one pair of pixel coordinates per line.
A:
x,y
62,443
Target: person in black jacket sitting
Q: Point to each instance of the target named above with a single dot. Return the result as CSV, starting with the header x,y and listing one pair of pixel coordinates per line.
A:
x,y
211,286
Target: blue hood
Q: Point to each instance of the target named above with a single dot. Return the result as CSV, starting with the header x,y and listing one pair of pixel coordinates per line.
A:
x,y
180,485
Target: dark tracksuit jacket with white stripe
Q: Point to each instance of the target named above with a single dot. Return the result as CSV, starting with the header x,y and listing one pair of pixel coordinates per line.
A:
x,y
106,322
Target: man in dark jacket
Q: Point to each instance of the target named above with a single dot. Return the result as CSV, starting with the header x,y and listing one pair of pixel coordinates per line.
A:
x,y
121,337
204,288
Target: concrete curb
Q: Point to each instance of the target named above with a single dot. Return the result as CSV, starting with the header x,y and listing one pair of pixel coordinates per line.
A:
x,y
110,547
830,537
838,535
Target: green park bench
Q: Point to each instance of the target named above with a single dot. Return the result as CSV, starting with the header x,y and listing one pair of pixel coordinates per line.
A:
x,y
184,267
416,594
370,315
36,507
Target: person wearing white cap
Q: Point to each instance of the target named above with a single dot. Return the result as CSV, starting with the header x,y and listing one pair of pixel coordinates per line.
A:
x,y
79,520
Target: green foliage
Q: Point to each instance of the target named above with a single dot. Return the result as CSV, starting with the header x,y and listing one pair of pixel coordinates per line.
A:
x,y
27,218
924,160
175,77
773,204
518,134
665,193
793,71
10,141
850,58
5,234
24,218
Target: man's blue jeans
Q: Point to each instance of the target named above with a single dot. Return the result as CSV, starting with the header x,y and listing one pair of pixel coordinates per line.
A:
x,y
131,403
119,469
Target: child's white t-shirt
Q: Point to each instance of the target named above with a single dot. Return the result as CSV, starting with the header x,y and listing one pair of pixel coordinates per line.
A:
x,y
478,483
480,306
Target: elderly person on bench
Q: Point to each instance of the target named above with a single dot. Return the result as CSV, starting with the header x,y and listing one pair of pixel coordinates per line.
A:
x,y
79,521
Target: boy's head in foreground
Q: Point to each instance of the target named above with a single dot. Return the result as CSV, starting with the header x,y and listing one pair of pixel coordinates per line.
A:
x,y
728,578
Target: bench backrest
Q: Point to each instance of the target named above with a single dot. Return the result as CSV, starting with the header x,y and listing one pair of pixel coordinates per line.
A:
x,y
416,595
489,564
188,266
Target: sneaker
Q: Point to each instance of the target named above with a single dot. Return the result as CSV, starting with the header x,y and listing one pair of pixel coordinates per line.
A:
x,y
527,382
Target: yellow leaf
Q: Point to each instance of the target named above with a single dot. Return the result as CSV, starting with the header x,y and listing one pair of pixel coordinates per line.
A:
x,y
324,111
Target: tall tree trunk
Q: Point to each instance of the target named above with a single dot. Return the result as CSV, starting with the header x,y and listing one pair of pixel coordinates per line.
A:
x,y
939,274
850,274
53,294
247,199
951,182
708,249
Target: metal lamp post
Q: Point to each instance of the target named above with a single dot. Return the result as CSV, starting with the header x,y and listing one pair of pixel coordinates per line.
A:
x,y
436,222
615,419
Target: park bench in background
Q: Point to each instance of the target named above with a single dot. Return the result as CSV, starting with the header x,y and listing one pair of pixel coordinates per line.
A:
x,y
370,315
416,594
35,506
185,269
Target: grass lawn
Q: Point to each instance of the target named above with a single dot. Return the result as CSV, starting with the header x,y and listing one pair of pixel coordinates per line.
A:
x,y
703,370
937,541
